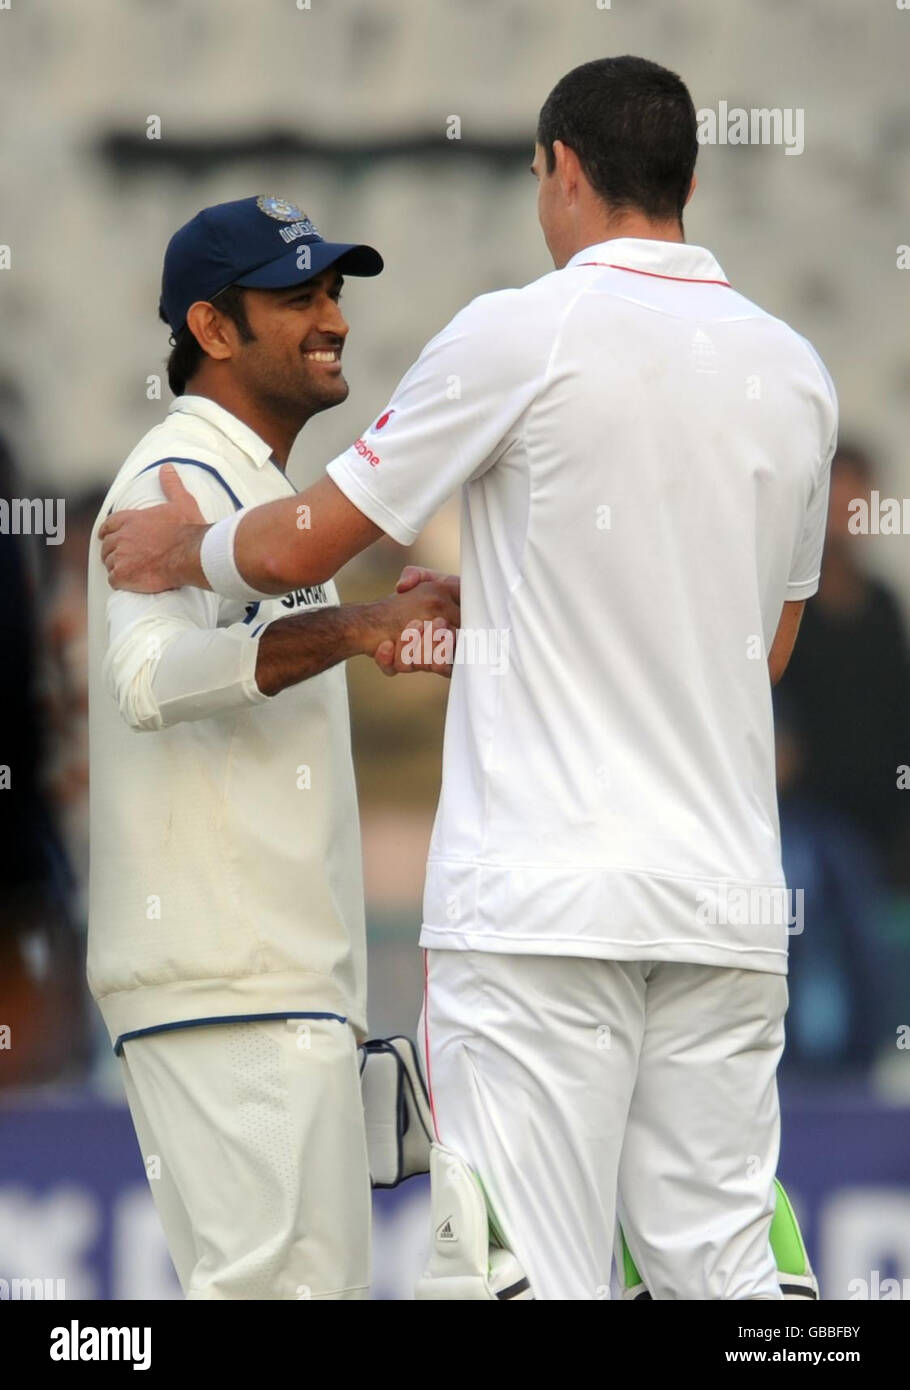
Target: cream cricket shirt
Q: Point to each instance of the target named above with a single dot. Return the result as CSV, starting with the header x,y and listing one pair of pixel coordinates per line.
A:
x,y
643,457
225,867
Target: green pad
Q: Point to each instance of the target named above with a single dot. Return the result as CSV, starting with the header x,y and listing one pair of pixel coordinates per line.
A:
x,y
786,1243
786,1237
630,1275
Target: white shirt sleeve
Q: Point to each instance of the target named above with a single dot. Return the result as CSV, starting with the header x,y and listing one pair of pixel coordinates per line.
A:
x,y
452,414
167,658
805,569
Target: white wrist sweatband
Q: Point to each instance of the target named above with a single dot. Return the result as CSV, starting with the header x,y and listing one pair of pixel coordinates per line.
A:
x,y
216,556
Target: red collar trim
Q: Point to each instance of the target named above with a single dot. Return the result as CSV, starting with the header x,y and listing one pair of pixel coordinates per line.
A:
x,y
688,279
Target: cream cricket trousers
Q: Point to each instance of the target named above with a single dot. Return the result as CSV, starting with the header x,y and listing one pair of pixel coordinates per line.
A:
x,y
579,1090
252,1134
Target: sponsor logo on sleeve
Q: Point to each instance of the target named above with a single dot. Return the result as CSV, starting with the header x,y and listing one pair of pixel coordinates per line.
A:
x,y
363,449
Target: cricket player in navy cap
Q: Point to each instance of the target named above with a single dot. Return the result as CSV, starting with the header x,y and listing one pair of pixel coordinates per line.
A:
x,y
226,940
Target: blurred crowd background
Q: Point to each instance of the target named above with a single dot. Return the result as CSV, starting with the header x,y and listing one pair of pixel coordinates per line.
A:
x,y
121,118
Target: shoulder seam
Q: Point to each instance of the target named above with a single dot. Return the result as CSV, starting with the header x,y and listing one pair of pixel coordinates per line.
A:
x,y
195,463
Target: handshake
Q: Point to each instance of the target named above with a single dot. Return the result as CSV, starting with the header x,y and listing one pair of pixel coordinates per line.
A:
x,y
414,629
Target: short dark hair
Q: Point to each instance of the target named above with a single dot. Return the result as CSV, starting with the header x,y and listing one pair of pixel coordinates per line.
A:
x,y
633,126
186,355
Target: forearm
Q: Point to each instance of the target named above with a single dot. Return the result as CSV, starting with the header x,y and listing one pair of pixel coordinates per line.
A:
x,y
287,544
262,553
258,552
294,649
274,550
163,669
160,679
301,540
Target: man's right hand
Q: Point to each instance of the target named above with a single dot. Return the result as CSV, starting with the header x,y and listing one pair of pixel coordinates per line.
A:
x,y
408,629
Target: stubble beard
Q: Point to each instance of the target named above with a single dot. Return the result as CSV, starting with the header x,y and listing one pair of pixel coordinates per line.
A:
x,y
298,402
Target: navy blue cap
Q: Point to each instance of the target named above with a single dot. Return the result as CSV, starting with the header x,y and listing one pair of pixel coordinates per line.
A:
x,y
254,242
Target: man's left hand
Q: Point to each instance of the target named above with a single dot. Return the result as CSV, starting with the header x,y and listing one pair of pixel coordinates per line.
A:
x,y
144,550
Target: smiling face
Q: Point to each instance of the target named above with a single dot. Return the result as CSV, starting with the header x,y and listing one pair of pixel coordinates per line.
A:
x,y
291,366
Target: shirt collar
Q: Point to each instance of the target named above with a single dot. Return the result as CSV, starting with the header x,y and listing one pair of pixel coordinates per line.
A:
x,y
672,260
247,440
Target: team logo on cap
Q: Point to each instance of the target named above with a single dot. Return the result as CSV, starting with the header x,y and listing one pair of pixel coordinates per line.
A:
x,y
283,211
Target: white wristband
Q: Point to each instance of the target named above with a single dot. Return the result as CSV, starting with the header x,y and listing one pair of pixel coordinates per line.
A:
x,y
216,556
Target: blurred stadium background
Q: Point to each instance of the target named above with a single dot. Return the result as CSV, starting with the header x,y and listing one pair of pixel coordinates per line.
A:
x,y
345,107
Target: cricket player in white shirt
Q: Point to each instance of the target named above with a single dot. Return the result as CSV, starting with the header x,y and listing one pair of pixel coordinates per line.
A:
x,y
226,936
643,457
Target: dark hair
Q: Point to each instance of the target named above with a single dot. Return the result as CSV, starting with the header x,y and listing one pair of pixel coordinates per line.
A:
x,y
633,126
186,355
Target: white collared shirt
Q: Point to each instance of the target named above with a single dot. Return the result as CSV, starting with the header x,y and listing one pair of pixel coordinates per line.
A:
x,y
225,868
644,458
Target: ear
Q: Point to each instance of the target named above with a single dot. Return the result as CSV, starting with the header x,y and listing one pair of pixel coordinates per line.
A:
x,y
210,329
568,170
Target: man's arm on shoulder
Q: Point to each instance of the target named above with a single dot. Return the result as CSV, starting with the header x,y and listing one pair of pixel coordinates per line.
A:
x,y
291,543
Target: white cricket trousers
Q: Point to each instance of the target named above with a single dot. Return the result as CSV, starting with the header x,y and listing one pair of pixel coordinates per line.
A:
x,y
252,1135
579,1090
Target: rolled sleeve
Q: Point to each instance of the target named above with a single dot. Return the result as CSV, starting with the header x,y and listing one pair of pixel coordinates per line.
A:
x,y
170,657
165,671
